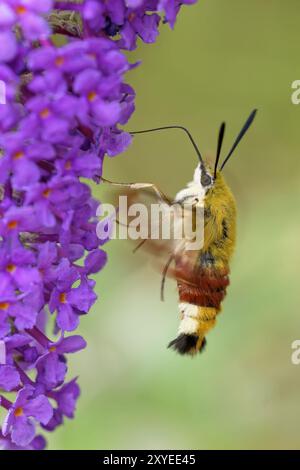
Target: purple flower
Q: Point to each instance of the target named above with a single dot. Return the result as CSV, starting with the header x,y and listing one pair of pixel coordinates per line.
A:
x,y
94,261
9,378
38,443
18,420
25,310
51,367
27,14
131,19
69,301
51,370
66,398
18,265
7,299
139,25
52,119
8,46
20,159
9,345
95,104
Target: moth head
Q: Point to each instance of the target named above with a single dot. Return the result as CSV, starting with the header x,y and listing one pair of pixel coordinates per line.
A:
x,y
203,176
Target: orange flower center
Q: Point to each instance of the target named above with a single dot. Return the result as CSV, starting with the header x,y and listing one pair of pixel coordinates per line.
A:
x,y
131,16
12,224
46,192
92,95
45,113
18,155
18,412
21,9
59,61
63,298
52,349
10,268
4,305
68,165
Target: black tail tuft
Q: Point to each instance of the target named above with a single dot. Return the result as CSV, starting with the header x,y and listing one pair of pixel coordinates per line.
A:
x,y
186,344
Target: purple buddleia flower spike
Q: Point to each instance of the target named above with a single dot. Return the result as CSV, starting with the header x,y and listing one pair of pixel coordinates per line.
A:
x,y
64,112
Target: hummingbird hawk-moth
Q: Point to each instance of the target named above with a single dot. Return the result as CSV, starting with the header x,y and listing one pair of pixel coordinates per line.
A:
x,y
202,275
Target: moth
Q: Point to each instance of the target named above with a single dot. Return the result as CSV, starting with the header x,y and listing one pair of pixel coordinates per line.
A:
x,y
202,276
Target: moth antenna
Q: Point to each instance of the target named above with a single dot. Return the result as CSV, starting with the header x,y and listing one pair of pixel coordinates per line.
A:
x,y
174,127
220,141
240,136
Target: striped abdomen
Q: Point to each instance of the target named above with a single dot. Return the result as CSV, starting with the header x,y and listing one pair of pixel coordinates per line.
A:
x,y
201,291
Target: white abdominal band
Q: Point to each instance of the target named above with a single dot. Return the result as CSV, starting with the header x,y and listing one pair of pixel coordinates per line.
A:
x,y
190,315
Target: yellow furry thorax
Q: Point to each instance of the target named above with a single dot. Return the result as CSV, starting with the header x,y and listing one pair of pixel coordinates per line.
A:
x,y
220,218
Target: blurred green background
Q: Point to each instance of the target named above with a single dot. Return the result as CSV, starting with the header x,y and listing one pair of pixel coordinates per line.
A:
x,y
222,60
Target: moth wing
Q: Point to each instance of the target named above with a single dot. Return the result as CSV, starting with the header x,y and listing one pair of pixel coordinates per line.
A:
x,y
145,218
161,237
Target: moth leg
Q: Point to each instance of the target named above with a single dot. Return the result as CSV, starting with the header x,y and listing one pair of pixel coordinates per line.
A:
x,y
120,223
136,186
164,275
139,245
166,268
